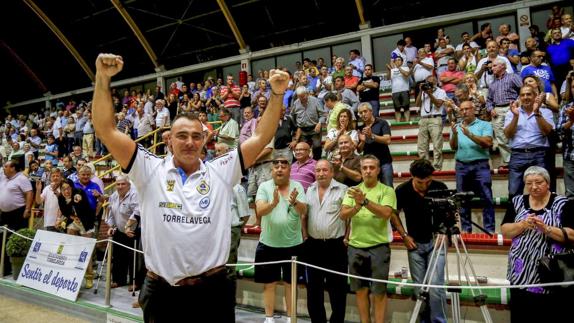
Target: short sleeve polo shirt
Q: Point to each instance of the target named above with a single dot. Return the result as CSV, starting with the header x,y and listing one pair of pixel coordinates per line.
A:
x,y
368,230
185,224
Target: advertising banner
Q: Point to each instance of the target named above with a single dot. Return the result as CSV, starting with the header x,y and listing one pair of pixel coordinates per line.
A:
x,y
56,263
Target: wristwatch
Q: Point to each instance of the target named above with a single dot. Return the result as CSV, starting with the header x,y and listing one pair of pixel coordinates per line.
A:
x,y
365,202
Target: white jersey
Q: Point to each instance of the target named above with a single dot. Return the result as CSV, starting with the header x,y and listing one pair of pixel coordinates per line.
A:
x,y
185,226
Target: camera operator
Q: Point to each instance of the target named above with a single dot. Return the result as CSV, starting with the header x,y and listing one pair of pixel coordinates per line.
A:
x,y
431,100
484,70
420,241
471,139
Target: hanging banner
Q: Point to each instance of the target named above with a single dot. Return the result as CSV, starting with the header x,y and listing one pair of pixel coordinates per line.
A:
x,y
56,263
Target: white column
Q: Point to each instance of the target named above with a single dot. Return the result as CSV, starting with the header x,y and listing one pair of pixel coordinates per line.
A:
x,y
367,48
524,21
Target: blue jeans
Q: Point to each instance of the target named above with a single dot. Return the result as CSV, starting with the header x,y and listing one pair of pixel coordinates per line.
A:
x,y
519,162
419,263
376,104
475,177
386,174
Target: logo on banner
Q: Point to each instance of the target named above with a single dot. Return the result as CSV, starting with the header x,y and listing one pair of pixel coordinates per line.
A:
x,y
37,246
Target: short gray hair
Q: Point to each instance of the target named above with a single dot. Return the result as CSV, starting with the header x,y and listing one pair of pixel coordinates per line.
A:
x,y
500,61
366,105
123,177
537,170
301,90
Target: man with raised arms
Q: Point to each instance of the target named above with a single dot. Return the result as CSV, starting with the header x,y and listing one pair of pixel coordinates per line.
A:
x,y
184,205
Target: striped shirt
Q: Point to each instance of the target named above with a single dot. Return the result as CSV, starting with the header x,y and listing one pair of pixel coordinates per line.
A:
x,y
531,245
309,115
503,91
566,134
324,220
304,173
227,94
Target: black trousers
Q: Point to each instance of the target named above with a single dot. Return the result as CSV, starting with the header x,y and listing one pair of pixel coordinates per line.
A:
x,y
331,254
15,221
208,301
122,259
532,307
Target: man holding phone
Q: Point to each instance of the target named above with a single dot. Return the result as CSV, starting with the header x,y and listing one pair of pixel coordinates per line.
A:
x,y
282,206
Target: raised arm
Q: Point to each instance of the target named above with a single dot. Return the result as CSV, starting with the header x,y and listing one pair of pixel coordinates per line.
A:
x,y
267,126
120,145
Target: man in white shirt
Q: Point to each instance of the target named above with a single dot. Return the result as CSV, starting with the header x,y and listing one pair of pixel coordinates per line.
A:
x,y
49,196
325,246
465,40
356,62
16,198
123,205
185,236
162,117
483,70
424,66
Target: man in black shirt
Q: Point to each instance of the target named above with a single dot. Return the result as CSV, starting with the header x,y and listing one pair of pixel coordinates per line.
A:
x,y
420,241
374,139
368,89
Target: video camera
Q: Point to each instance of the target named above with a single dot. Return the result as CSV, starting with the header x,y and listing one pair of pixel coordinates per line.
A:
x,y
444,206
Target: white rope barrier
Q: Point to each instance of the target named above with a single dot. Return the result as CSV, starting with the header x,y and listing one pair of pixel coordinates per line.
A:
x,y
401,283
52,243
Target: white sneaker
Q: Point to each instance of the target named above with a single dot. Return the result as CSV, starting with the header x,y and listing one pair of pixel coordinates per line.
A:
x,y
269,320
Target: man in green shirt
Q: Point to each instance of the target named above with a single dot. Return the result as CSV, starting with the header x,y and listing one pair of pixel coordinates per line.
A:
x,y
370,207
281,205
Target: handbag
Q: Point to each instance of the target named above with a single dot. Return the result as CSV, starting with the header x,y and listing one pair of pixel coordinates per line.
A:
x,y
558,267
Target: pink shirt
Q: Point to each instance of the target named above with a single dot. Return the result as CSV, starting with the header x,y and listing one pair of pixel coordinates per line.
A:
x,y
304,173
449,87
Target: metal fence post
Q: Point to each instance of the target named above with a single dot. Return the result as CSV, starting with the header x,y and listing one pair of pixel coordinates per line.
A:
x,y
293,313
108,292
4,234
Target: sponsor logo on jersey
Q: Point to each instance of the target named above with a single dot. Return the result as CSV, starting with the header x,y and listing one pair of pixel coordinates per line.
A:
x,y
204,202
170,184
170,205
203,188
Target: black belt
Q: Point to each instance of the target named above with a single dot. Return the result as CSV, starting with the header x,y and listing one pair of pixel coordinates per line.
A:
x,y
326,240
502,105
432,116
472,162
189,281
307,129
529,150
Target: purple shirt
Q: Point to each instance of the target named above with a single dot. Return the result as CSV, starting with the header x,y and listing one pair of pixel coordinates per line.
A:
x,y
247,130
503,91
304,173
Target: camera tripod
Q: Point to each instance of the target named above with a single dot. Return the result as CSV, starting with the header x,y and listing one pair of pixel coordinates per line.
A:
x,y
444,236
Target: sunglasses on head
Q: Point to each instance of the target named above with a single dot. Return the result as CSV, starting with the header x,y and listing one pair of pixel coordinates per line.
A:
x,y
280,161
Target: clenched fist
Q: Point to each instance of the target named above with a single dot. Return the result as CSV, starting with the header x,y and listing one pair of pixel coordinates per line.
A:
x,y
109,64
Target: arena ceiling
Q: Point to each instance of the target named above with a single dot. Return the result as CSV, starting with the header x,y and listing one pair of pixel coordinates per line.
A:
x,y
38,36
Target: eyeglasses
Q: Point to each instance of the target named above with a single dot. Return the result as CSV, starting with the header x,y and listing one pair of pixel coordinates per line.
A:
x,y
280,161
301,149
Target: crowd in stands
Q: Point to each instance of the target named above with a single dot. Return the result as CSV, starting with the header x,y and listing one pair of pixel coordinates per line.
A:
x,y
331,148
